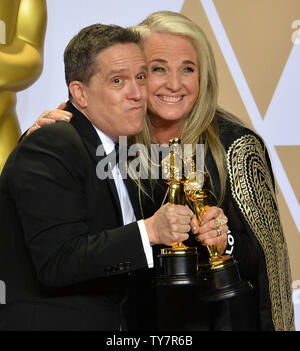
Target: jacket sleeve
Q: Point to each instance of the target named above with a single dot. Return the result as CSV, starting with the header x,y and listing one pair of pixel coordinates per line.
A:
x,y
252,191
48,181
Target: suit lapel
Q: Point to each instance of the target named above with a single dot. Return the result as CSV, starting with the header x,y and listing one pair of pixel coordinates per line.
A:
x,y
91,141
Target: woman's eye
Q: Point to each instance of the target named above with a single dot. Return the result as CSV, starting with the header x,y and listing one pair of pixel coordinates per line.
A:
x,y
189,69
157,69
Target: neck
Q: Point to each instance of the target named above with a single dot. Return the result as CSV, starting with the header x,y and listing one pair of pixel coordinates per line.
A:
x,y
84,111
162,131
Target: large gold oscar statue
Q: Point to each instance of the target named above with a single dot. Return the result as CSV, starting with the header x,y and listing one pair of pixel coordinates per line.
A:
x,y
22,31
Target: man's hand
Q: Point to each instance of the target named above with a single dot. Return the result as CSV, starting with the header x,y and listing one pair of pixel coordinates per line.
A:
x,y
169,225
51,116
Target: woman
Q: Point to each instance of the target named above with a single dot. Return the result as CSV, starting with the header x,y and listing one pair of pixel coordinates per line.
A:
x,y
182,102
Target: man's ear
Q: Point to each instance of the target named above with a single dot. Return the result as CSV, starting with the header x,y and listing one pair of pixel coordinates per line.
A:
x,y
77,90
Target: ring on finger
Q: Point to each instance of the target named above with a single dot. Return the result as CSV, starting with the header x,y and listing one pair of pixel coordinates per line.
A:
x,y
219,222
36,123
219,231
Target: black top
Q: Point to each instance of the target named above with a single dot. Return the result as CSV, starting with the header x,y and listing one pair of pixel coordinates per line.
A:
x,y
259,246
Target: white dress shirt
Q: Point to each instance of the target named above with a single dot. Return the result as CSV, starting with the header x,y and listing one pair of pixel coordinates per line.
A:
x,y
126,206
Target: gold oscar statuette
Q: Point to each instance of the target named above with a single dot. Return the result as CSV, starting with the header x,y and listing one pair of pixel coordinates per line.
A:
x,y
219,275
199,192
173,167
22,31
177,264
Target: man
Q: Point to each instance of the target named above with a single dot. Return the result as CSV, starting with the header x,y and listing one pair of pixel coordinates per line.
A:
x,y
69,242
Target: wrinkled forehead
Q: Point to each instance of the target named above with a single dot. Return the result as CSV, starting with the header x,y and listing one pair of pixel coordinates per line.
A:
x,y
173,46
120,57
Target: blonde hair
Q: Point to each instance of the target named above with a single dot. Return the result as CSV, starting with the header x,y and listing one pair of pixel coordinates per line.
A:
x,y
200,126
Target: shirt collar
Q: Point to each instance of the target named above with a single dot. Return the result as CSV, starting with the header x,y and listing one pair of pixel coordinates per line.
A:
x,y
107,142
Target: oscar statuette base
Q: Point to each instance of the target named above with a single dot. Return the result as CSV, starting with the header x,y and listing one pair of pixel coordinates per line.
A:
x,y
214,281
221,281
177,267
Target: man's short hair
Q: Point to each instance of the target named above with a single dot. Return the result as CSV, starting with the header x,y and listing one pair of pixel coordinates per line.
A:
x,y
80,53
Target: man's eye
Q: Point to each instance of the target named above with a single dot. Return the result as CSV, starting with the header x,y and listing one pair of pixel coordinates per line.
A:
x,y
142,76
117,80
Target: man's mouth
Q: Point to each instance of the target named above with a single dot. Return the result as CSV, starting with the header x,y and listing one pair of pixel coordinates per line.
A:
x,y
171,99
138,107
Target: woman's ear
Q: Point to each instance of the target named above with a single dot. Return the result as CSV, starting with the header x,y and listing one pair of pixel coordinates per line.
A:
x,y
77,90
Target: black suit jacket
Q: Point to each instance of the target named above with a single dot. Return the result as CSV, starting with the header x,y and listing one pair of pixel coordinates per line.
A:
x,y
65,256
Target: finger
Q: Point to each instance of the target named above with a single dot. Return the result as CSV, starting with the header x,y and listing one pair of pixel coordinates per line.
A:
x,y
211,213
32,129
179,237
184,220
55,116
207,235
213,235
62,105
217,241
212,224
40,122
179,219
195,225
181,228
59,115
179,210
207,227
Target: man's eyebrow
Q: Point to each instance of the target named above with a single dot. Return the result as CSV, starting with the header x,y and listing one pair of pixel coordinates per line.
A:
x,y
116,72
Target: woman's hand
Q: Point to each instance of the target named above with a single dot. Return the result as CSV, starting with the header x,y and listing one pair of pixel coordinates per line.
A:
x,y
51,116
213,229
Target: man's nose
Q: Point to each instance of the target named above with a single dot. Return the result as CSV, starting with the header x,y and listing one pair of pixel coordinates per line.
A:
x,y
136,91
